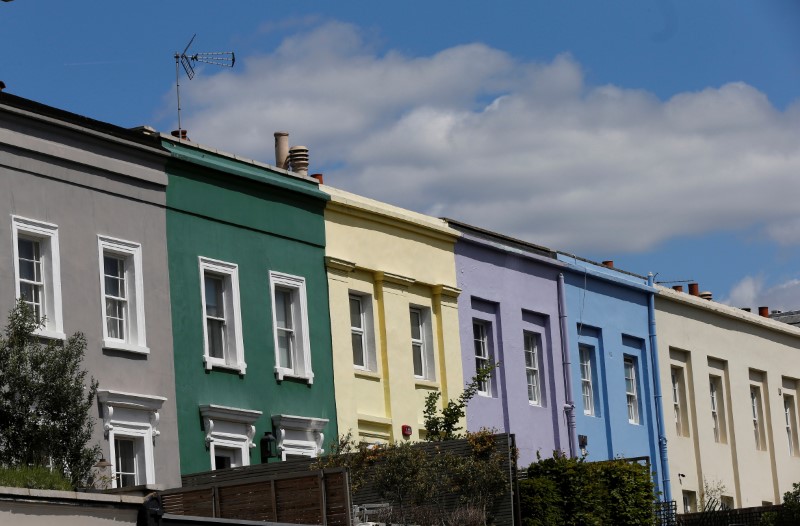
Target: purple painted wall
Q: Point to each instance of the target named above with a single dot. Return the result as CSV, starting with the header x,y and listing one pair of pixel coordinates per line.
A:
x,y
511,289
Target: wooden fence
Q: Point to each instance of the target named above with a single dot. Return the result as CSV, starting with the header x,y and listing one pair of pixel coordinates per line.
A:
x,y
299,497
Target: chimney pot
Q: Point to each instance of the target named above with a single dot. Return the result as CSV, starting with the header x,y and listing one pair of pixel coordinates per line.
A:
x,y
298,159
706,295
608,263
763,311
180,134
319,178
694,289
678,288
282,149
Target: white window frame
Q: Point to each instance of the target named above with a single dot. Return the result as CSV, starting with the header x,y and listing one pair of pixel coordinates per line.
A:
x,y
482,353
586,357
299,435
133,416
790,420
131,253
425,343
676,401
531,345
229,428
715,383
47,236
233,355
757,411
631,394
367,331
301,349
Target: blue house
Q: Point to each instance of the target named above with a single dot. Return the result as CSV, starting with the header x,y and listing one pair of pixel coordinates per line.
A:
x,y
615,381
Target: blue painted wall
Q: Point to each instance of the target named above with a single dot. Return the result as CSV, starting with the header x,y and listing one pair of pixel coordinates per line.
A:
x,y
608,313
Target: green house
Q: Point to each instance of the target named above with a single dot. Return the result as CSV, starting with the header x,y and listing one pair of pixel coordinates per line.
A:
x,y
251,326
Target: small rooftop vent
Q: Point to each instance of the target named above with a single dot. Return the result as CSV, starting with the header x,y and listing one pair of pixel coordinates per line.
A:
x,y
298,159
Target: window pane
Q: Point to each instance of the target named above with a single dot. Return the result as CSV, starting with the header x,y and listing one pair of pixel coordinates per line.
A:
x,y
114,269
283,308
115,318
355,313
216,337
285,348
358,349
214,303
125,462
416,330
417,351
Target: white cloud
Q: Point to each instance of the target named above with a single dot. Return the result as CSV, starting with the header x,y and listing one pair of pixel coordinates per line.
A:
x,y
751,291
528,149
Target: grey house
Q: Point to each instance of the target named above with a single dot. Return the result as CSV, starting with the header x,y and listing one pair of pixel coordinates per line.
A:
x,y
83,241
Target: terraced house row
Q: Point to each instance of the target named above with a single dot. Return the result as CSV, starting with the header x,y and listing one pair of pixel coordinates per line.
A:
x,y
239,313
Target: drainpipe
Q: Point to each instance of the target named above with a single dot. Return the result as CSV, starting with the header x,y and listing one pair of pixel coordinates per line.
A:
x,y
662,437
569,405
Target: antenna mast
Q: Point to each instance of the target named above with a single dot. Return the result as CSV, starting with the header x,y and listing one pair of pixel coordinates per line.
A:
x,y
217,58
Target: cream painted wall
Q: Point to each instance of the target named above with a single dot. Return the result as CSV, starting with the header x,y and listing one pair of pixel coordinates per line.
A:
x,y
394,259
700,339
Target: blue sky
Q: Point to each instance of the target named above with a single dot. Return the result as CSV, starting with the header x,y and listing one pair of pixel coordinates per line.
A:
x,y
660,134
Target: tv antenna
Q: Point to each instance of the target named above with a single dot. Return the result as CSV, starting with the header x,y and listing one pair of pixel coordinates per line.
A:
x,y
217,58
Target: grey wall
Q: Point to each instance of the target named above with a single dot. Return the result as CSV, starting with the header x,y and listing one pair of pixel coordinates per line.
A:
x,y
89,183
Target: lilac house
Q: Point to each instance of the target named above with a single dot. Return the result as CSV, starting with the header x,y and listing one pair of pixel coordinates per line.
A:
x,y
511,311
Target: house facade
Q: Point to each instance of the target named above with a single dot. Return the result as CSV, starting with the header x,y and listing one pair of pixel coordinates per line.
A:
x,y
250,310
83,224
393,304
731,381
611,331
509,313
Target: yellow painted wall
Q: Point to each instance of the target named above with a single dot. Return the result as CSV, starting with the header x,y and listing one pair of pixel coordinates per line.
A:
x,y
397,259
702,338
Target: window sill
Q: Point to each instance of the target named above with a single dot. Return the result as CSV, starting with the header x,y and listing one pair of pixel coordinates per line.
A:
x,y
485,395
281,373
534,404
216,363
367,375
118,345
50,335
419,383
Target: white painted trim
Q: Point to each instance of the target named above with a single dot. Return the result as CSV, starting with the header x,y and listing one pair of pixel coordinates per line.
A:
x,y
299,435
47,232
243,441
137,335
302,340
143,429
234,358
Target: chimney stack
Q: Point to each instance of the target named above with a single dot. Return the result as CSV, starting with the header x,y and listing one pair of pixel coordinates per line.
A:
x,y
678,288
694,289
608,263
282,150
763,311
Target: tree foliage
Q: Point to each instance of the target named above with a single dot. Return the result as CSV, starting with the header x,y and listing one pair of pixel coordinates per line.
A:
x,y
44,400
572,492
789,512
445,425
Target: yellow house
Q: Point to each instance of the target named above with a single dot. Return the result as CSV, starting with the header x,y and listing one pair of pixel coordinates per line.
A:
x,y
730,382
394,321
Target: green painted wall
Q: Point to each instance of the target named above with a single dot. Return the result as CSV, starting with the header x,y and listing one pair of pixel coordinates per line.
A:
x,y
240,214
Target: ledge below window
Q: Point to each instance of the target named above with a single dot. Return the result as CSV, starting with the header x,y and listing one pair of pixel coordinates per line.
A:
x,y
281,373
118,345
367,375
419,383
50,335
215,363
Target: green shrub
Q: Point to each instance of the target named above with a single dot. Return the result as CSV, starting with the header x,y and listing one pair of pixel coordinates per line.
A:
x,y
570,491
33,477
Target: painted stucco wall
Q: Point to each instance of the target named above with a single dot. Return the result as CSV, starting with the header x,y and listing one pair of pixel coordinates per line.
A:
x,y
261,221
699,339
91,184
610,316
512,292
393,259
